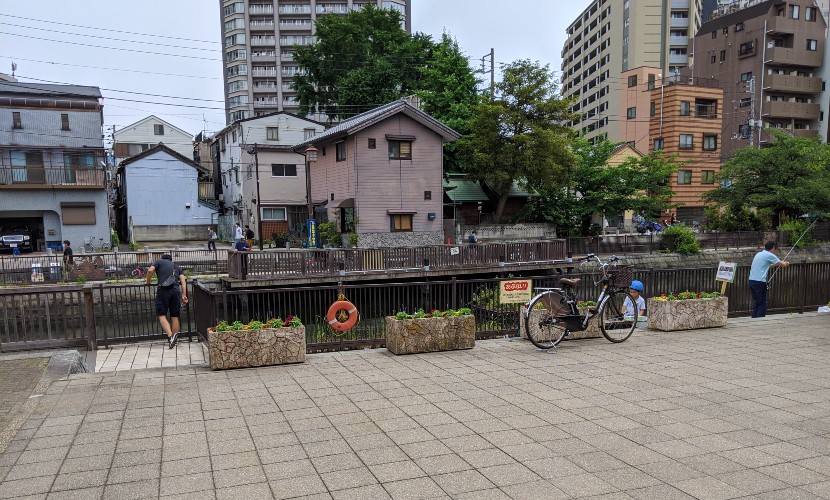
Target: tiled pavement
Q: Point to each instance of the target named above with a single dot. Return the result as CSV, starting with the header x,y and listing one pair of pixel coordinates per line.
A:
x,y
148,355
738,412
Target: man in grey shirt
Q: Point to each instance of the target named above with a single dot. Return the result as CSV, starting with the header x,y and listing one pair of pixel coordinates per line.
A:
x,y
168,297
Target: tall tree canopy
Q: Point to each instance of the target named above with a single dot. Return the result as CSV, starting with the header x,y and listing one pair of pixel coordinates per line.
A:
x,y
365,59
519,134
789,178
593,186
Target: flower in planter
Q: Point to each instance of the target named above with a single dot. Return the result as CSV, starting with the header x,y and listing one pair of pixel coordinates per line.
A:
x,y
687,296
290,321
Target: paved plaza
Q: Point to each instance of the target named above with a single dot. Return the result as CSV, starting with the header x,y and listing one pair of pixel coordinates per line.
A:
x,y
735,412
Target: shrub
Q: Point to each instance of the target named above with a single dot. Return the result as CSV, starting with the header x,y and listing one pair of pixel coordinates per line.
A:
x,y
114,239
280,239
134,246
795,228
351,238
328,232
294,321
681,239
420,313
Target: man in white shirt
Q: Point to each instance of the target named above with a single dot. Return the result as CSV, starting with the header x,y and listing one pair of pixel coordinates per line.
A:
x,y
238,235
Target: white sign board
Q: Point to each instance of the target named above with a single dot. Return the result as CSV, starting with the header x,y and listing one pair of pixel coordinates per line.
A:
x,y
515,291
726,272
453,250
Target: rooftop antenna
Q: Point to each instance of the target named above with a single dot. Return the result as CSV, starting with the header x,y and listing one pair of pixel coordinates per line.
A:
x,y
14,68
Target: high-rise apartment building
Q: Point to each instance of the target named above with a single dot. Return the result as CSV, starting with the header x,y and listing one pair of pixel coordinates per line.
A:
x,y
259,37
613,36
768,58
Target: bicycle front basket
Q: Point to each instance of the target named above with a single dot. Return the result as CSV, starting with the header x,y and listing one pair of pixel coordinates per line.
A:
x,y
622,276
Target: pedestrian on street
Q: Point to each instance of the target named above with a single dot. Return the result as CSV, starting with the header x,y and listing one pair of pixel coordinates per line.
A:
x,y
68,259
168,297
763,261
238,235
212,237
249,235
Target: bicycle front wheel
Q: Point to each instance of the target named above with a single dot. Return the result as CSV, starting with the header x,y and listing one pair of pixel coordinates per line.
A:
x,y
616,326
543,323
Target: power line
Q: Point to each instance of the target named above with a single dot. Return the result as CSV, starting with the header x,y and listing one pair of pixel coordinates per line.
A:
x,y
110,69
110,30
130,92
110,48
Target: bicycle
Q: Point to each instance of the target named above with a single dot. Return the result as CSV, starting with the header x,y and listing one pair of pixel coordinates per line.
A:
x,y
103,246
558,314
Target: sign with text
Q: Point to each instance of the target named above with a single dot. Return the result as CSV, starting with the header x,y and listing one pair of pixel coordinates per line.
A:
x,y
454,251
515,291
312,233
726,272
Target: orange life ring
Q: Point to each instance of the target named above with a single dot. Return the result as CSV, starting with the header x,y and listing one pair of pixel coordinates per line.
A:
x,y
336,310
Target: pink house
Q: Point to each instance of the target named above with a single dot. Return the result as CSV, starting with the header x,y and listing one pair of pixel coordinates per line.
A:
x,y
379,175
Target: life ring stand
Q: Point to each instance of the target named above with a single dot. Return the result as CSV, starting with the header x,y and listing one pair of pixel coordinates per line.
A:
x,y
340,309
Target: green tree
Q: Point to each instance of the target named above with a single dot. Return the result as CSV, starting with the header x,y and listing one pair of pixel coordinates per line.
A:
x,y
593,187
789,178
365,59
519,135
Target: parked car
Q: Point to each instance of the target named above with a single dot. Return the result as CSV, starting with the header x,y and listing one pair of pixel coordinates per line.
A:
x,y
15,235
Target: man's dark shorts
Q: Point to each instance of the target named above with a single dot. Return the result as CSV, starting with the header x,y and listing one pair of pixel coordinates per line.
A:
x,y
169,299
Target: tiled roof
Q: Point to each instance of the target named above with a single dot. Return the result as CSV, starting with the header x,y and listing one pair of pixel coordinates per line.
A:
x,y
45,89
460,190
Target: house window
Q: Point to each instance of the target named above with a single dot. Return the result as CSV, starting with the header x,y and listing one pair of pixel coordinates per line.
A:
x,y
250,171
400,150
714,34
745,77
309,133
684,176
713,59
427,195
652,110
400,223
64,121
651,78
745,102
739,27
631,113
273,214
16,121
272,133
810,14
812,45
687,141
79,213
707,177
341,151
710,142
373,143
632,81
722,55
27,166
747,48
233,135
158,129
658,144
134,149
685,108
795,11
282,170
726,30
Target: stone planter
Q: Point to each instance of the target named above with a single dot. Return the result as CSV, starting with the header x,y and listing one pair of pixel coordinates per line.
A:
x,y
592,332
250,348
409,336
689,314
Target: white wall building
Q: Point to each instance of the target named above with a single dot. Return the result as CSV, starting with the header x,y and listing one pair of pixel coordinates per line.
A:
x,y
147,133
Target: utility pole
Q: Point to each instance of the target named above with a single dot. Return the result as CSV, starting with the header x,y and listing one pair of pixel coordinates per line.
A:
x,y
751,85
255,152
492,70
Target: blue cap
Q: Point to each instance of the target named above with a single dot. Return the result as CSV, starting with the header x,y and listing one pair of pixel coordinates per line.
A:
x,y
637,285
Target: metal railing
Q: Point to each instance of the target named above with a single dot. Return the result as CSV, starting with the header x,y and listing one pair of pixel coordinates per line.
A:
x,y
30,175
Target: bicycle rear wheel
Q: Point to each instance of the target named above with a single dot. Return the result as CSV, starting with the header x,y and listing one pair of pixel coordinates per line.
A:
x,y
615,325
543,325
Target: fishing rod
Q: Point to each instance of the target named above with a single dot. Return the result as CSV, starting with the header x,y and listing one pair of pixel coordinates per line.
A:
x,y
792,247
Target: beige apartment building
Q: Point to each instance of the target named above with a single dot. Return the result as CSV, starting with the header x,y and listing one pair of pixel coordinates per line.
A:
x,y
259,37
614,36
768,58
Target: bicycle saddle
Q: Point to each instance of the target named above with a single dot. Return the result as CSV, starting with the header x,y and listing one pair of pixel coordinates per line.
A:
x,y
570,282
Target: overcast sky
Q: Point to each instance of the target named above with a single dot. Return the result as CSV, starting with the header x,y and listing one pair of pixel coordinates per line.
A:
x,y
124,47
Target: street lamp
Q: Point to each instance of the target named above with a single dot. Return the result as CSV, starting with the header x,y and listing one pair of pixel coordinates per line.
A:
x,y
310,157
258,201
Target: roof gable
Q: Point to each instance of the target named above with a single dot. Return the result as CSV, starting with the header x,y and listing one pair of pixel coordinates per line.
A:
x,y
262,117
157,149
143,121
377,115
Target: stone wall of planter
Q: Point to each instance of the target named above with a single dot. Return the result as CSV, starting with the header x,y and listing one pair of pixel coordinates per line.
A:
x,y
250,348
409,336
592,332
690,314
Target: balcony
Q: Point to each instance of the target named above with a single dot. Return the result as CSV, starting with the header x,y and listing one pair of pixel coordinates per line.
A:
x,y
263,56
679,41
788,56
270,41
264,72
779,25
791,110
295,9
265,87
262,25
792,84
679,22
261,9
678,59
269,103
680,4
38,177
295,26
